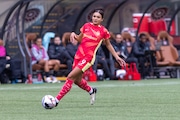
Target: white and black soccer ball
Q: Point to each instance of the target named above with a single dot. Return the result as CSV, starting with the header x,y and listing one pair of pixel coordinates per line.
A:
x,y
48,102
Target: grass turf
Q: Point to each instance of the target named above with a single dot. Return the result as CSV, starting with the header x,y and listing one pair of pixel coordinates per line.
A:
x,y
116,100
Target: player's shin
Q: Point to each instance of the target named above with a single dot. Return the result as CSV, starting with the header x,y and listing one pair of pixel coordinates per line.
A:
x,y
65,89
84,85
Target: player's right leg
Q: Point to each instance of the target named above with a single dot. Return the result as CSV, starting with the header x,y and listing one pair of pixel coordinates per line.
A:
x,y
73,76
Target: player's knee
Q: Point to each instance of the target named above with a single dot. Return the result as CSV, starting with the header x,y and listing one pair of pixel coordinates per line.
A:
x,y
70,77
76,82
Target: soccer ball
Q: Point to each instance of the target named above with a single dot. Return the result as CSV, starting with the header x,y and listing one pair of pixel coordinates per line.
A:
x,y
48,102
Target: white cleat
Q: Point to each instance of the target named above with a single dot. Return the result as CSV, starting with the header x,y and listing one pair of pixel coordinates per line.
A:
x,y
93,96
48,80
55,80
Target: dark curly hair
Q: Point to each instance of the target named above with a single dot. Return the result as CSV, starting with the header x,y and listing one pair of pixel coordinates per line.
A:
x,y
99,10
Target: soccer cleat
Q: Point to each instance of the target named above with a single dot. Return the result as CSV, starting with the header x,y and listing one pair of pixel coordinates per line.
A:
x,y
48,80
93,96
55,80
56,104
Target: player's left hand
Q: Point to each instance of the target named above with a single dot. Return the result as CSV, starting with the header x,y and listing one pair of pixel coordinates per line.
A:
x,y
121,61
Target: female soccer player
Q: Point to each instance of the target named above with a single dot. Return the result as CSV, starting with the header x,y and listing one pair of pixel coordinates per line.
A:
x,y
91,36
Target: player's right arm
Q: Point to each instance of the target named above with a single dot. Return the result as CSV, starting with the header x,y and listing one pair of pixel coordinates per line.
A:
x,y
113,52
79,37
74,36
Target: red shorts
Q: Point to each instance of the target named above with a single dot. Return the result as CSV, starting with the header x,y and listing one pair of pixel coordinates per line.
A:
x,y
82,64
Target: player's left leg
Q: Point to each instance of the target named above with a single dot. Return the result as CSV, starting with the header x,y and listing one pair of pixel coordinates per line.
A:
x,y
85,64
83,84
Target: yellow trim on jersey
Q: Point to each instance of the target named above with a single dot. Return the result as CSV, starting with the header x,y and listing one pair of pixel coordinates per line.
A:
x,y
94,56
88,65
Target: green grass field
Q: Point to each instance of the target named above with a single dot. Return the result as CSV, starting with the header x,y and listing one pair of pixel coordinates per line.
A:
x,y
116,100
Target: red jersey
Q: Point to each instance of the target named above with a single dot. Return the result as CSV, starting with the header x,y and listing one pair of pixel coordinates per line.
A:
x,y
91,40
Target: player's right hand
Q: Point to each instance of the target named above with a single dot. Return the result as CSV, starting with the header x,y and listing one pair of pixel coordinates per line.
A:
x,y
72,37
121,61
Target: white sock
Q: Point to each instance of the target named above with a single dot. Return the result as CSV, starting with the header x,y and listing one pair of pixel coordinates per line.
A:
x,y
56,100
91,91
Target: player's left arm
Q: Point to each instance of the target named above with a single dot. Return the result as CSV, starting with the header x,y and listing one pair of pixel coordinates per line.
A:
x,y
113,52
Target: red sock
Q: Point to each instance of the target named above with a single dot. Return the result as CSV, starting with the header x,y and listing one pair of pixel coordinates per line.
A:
x,y
83,84
65,89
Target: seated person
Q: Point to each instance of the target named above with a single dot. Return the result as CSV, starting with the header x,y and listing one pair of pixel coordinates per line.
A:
x,y
40,56
151,52
13,70
119,46
128,39
101,59
10,69
57,51
2,60
138,54
72,47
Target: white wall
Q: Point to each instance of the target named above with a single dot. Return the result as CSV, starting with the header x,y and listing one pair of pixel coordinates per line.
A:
x,y
5,6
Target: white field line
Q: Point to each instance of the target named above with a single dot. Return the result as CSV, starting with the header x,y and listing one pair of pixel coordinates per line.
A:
x,y
99,86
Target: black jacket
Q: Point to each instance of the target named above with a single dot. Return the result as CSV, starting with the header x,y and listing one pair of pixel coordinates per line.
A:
x,y
100,54
55,51
58,52
71,49
120,47
139,48
3,62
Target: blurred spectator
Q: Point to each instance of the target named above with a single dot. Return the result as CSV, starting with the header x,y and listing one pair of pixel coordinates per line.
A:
x,y
131,31
151,52
106,51
10,69
138,53
40,56
129,40
120,46
72,47
101,59
57,51
2,61
108,55
66,38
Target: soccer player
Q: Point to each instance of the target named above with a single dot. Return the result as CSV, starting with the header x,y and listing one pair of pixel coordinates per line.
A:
x,y
91,36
